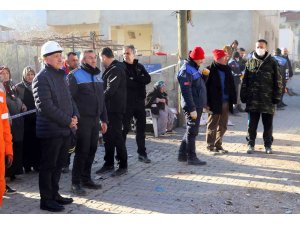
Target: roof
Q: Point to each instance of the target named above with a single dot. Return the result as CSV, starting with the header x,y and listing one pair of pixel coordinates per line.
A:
x,y
291,16
4,28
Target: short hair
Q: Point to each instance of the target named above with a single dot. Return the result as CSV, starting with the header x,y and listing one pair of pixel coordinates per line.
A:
x,y
130,47
235,42
242,50
85,52
263,41
107,52
71,53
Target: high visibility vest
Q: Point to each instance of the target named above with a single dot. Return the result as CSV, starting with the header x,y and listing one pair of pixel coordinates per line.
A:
x,y
5,141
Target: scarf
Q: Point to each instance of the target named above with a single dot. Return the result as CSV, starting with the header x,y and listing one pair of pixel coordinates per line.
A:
x,y
10,89
28,85
89,69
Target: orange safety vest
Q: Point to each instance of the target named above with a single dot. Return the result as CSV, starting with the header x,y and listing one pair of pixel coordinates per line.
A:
x,y
5,141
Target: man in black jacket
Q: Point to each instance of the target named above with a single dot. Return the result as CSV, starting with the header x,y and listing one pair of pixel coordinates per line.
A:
x,y
86,86
56,115
115,101
221,95
137,79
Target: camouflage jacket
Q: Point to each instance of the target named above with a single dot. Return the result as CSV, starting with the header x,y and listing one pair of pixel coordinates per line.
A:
x,y
262,85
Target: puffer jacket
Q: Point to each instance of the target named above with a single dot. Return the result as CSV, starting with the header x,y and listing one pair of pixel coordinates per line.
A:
x,y
54,103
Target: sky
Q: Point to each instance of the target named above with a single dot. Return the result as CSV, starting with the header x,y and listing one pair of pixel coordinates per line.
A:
x,y
23,19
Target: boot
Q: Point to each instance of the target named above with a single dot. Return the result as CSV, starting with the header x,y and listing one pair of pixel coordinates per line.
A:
x,y
196,162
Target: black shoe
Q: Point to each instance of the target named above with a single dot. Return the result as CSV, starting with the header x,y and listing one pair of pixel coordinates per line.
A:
x,y
36,169
9,190
283,104
63,201
27,169
221,149
65,170
211,149
51,206
144,159
78,190
119,172
105,169
240,109
182,158
196,162
91,185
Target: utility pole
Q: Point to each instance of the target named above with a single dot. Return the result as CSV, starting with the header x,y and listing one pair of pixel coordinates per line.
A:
x,y
182,53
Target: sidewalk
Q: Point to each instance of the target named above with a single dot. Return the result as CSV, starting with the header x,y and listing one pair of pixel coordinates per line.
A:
x,y
232,183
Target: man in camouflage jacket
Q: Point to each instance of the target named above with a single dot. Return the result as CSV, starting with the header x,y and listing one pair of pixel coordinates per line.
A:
x,y
261,90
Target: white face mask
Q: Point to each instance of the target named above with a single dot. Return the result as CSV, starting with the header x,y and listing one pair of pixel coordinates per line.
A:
x,y
260,51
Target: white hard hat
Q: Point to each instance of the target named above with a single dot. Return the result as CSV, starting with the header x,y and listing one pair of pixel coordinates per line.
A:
x,y
50,47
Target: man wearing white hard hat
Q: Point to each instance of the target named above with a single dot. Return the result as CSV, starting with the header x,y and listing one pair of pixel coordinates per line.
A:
x,y
57,114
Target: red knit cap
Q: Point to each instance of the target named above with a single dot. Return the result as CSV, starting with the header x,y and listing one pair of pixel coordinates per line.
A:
x,y
197,53
218,54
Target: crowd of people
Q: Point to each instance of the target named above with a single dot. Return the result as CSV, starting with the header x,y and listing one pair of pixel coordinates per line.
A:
x,y
75,101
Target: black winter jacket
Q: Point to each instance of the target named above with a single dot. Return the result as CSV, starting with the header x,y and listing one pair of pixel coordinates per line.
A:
x,y
151,100
54,103
115,92
137,79
214,88
86,86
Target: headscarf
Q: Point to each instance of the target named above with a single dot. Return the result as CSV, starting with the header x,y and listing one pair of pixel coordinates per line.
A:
x,y
27,84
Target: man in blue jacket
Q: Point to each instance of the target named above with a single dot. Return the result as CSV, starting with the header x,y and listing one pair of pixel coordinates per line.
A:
x,y
193,99
86,86
284,70
57,114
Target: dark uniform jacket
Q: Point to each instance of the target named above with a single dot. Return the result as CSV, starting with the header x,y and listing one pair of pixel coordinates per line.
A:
x,y
114,78
54,103
193,90
86,86
262,84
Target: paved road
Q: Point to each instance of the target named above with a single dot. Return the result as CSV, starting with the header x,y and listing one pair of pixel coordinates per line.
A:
x,y
233,183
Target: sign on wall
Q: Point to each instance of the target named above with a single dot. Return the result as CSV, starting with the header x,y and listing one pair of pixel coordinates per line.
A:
x,y
152,67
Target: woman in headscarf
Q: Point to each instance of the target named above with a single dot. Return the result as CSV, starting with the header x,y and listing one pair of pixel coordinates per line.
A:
x,y
15,106
31,154
157,101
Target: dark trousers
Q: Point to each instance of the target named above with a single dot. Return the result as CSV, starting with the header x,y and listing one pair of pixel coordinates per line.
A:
x,y
113,139
138,112
17,165
267,120
188,145
53,156
86,147
68,161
